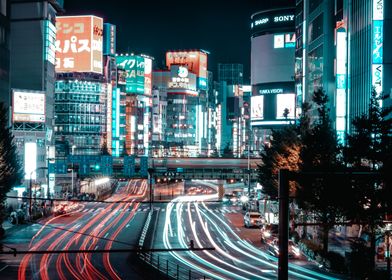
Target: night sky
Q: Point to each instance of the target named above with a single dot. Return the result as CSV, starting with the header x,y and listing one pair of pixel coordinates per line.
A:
x,y
153,27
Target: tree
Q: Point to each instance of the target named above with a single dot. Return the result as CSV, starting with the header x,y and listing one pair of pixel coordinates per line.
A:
x,y
10,168
320,151
283,151
104,149
214,153
227,152
124,152
369,148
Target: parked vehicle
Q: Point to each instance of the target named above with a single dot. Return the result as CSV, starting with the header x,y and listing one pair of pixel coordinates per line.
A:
x,y
252,219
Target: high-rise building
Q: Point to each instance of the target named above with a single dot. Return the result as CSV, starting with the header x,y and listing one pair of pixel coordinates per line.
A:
x,y
183,86
369,58
32,52
81,87
272,72
355,30
131,108
231,73
5,95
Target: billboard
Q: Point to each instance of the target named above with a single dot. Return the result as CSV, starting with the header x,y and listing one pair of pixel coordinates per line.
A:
x,y
132,72
196,62
257,107
79,44
28,106
278,19
285,101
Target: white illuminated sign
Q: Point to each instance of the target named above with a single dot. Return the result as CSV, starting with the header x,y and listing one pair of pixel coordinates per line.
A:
x,y
28,106
285,101
182,72
30,160
378,9
257,107
279,41
272,90
284,18
377,75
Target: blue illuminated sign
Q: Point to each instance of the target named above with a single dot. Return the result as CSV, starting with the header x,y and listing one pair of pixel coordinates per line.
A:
x,y
377,41
340,81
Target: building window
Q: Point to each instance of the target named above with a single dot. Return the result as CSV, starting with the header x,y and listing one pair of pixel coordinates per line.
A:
x,y
3,7
316,28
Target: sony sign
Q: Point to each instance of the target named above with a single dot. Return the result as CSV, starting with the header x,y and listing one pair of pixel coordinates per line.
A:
x,y
378,9
284,18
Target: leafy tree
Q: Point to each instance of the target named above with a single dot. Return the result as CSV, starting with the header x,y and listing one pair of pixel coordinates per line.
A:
x,y
283,151
321,152
10,168
215,153
227,152
124,152
104,149
369,148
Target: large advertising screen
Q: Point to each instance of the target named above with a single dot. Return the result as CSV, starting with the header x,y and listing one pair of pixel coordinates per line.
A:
x,y
196,62
283,102
79,44
257,107
132,70
28,106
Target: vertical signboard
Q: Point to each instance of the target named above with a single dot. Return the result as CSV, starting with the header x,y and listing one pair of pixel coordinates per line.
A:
x,y
50,42
147,76
79,44
109,32
30,160
341,82
377,46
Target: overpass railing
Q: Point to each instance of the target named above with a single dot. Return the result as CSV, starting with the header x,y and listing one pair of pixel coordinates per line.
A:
x,y
169,268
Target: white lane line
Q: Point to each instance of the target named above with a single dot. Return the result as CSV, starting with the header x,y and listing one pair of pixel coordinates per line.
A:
x,y
4,268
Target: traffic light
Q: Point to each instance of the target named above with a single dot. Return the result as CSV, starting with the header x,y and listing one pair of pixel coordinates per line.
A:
x,y
97,167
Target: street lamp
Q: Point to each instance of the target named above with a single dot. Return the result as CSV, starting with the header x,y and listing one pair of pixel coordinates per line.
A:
x,y
31,188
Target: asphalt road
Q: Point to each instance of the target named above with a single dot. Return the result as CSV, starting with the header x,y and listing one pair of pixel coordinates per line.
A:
x,y
236,256
91,225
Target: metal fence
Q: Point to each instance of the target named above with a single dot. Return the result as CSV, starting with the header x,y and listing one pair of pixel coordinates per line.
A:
x,y
169,268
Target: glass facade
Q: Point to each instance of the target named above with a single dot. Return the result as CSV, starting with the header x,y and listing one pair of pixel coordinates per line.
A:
x,y
80,114
232,74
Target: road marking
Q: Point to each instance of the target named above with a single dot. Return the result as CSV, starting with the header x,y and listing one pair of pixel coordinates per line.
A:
x,y
4,268
237,229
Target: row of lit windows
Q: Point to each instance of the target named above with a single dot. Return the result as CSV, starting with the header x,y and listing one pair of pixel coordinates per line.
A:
x,y
79,128
79,108
85,97
80,119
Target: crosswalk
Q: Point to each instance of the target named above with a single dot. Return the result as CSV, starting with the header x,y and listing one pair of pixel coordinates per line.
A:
x,y
146,209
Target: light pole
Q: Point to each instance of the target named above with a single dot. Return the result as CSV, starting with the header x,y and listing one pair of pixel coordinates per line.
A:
x,y
72,172
31,188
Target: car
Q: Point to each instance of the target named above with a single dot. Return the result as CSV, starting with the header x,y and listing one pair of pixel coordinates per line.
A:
x,y
229,199
293,252
60,210
252,219
269,232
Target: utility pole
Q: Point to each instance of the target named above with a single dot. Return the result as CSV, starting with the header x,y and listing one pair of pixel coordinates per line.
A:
x,y
283,265
388,254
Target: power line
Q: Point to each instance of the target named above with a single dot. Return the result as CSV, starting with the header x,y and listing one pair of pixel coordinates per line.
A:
x,y
14,251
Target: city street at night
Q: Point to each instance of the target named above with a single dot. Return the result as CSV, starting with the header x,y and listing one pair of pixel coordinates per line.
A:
x,y
195,140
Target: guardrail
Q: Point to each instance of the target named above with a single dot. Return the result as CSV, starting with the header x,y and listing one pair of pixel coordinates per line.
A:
x,y
169,268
